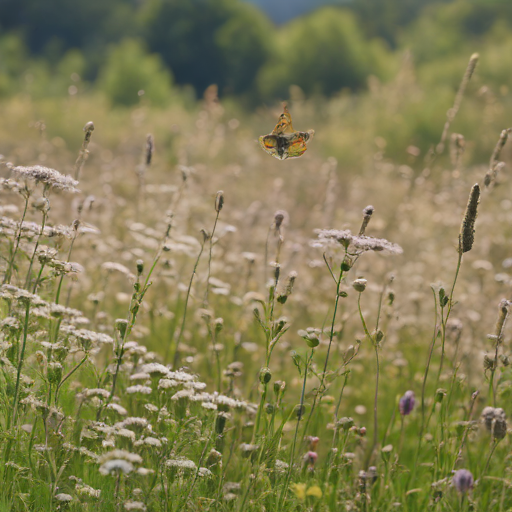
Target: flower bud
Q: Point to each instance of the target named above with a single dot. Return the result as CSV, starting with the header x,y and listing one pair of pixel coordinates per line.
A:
x,y
219,325
219,201
299,411
346,264
345,423
121,324
220,422
359,285
214,457
88,129
279,387
265,375
440,394
54,373
42,204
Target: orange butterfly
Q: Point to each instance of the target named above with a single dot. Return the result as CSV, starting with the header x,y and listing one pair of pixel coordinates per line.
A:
x,y
284,142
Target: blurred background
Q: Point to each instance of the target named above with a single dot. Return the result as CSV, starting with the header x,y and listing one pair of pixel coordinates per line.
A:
x,y
160,53
253,50
374,79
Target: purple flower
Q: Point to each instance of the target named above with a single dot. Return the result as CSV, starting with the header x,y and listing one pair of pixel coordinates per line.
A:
x,y
406,403
462,480
310,459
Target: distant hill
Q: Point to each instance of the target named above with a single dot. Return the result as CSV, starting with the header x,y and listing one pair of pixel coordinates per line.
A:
x,y
281,11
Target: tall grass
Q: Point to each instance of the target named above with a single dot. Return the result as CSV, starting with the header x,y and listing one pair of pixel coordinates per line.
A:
x,y
146,365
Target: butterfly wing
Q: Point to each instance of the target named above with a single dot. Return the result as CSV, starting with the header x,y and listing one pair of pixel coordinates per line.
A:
x,y
284,142
269,144
284,125
297,144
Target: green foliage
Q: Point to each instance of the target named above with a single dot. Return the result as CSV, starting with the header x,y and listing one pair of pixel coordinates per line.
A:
x,y
209,41
387,19
13,56
129,70
245,42
321,53
454,29
54,26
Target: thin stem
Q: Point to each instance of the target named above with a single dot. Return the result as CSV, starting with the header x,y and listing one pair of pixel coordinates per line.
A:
x,y
68,375
494,444
43,223
59,288
492,387
466,430
444,320
375,401
205,301
20,366
182,328
318,395
424,385
284,490
8,274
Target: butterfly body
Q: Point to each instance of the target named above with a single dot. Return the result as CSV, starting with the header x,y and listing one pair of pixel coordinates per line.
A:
x,y
284,142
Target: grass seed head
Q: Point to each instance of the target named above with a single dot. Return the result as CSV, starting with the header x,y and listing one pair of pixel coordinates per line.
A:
x,y
467,229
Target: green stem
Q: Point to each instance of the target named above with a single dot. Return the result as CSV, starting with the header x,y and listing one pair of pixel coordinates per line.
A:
x,y
284,490
43,223
20,366
205,301
8,274
375,401
319,394
68,375
182,328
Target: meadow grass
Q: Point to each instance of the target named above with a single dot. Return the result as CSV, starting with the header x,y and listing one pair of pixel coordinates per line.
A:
x,y
189,324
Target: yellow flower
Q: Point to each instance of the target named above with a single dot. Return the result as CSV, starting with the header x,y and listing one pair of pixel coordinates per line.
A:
x,y
315,491
299,490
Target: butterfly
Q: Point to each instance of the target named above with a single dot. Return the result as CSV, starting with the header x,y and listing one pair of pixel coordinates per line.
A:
x,y
284,142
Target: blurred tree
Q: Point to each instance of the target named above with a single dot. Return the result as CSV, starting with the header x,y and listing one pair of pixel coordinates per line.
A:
x,y
455,28
387,19
130,72
13,60
50,27
209,41
322,53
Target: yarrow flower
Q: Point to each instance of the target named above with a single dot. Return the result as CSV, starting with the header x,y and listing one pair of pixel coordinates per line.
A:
x,y
49,177
134,505
354,243
116,466
181,463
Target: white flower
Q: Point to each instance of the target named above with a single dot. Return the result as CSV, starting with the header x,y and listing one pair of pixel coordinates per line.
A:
x,y
49,177
181,463
134,505
116,466
145,390
64,498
